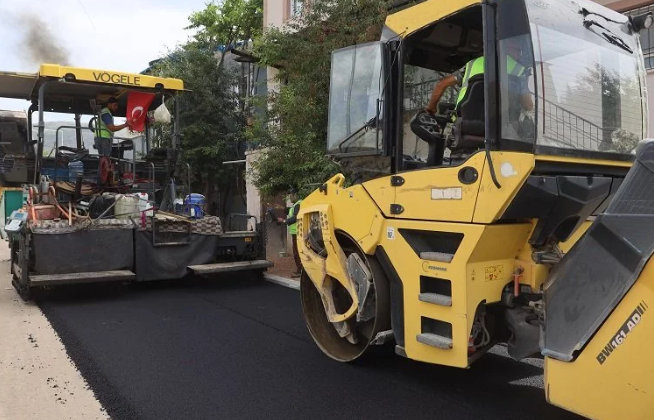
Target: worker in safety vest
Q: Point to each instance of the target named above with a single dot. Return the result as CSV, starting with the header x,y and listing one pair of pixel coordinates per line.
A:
x,y
106,128
475,67
291,222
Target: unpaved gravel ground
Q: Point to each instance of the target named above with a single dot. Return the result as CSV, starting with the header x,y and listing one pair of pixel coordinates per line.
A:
x,y
37,379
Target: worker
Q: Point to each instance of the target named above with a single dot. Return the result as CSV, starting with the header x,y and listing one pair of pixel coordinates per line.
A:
x,y
475,67
106,127
291,222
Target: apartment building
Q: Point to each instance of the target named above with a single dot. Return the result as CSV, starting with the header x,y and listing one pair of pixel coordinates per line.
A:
x,y
277,12
638,7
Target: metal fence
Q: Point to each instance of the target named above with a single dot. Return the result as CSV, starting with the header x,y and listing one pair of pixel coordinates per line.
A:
x,y
567,128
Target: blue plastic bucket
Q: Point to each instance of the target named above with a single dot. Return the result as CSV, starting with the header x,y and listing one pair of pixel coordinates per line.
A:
x,y
194,205
75,169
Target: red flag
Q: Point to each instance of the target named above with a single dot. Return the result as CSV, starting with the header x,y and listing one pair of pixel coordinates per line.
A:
x,y
138,104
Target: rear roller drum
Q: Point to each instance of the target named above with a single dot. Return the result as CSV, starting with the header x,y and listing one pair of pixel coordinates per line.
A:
x,y
372,317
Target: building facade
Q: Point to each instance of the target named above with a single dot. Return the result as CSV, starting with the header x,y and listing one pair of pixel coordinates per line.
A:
x,y
638,7
275,14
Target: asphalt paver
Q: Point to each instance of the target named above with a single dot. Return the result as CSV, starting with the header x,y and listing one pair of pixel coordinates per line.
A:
x,y
238,349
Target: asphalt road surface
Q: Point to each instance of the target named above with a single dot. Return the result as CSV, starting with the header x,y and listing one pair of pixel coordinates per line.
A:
x,y
237,349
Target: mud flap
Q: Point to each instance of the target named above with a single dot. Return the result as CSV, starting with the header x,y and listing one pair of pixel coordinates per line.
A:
x,y
600,269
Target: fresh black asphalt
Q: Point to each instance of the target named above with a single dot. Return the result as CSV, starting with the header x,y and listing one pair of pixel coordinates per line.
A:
x,y
238,349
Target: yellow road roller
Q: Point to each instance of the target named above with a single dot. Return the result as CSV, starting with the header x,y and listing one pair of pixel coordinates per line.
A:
x,y
497,189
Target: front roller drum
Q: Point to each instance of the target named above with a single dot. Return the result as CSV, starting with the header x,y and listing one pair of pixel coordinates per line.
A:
x,y
324,333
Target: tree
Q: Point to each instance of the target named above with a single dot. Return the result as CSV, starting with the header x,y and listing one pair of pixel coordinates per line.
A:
x,y
212,113
294,130
609,100
222,26
212,129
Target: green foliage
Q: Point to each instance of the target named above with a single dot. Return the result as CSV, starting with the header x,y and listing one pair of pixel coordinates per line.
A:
x,y
619,97
212,114
295,130
227,22
211,126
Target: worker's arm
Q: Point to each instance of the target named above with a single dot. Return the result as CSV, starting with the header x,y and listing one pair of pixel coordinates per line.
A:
x,y
526,101
293,219
114,128
439,90
108,121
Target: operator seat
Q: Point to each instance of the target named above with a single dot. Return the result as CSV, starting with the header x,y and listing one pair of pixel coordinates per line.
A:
x,y
470,128
118,150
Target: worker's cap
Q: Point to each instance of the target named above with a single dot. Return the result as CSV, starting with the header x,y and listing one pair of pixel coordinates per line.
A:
x,y
112,100
292,190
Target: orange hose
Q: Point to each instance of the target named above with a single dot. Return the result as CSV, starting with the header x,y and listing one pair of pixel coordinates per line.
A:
x,y
30,204
517,275
52,193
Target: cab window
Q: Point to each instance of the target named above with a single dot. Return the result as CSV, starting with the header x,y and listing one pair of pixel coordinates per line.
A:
x,y
355,103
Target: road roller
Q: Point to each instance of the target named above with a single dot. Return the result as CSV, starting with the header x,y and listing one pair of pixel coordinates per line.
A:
x,y
496,187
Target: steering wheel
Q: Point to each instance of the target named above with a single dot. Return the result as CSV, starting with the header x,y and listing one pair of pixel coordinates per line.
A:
x,y
92,124
428,127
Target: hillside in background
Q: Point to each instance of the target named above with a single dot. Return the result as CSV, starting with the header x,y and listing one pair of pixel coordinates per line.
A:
x,y
67,136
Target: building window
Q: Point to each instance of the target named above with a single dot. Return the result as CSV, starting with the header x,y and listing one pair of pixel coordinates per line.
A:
x,y
646,36
296,7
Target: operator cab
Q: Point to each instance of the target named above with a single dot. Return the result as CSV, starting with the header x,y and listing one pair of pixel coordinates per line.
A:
x,y
432,54
559,79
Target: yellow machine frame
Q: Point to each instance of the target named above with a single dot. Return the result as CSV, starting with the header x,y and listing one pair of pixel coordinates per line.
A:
x,y
371,219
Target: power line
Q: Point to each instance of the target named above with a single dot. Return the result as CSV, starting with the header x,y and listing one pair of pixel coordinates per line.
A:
x,y
87,15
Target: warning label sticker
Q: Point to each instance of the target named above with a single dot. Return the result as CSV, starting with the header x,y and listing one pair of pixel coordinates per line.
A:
x,y
493,272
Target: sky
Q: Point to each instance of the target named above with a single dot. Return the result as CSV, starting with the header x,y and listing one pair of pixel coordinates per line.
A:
x,y
122,35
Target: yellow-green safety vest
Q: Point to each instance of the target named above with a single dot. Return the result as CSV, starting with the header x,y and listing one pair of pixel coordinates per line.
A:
x,y
292,229
102,130
476,66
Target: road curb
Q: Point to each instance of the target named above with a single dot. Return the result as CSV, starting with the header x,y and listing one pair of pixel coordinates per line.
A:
x,y
282,281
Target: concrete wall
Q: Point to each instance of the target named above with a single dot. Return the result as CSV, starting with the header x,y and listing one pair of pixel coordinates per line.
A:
x,y
253,197
625,6
275,12
650,103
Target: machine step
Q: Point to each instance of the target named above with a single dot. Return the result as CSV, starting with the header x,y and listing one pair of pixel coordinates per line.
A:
x,y
78,278
435,340
436,299
204,269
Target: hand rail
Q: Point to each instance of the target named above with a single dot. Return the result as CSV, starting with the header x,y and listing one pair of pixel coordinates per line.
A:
x,y
567,127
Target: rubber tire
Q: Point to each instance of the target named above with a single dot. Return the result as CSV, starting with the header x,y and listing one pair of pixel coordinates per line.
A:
x,y
21,284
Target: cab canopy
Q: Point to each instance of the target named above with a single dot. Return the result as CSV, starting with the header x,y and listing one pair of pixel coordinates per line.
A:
x,y
72,90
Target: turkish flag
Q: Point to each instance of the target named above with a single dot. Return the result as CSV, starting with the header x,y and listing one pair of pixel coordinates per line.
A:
x,y
138,104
